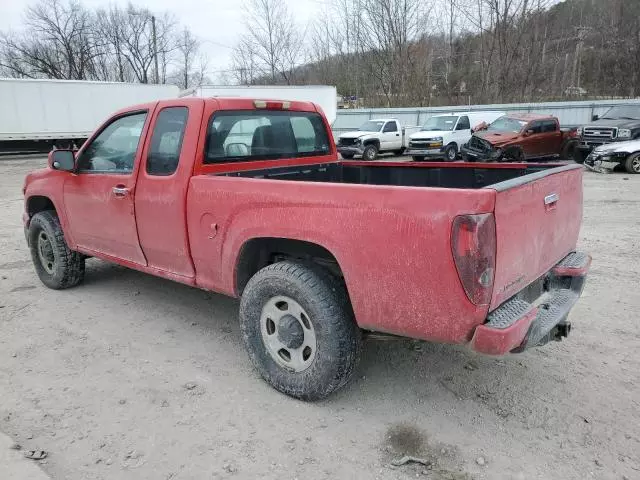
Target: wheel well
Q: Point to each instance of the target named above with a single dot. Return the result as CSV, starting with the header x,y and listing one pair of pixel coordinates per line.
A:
x,y
454,144
257,253
372,141
38,203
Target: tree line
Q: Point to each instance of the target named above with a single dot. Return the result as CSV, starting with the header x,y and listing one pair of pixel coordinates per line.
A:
x,y
376,52
65,40
448,52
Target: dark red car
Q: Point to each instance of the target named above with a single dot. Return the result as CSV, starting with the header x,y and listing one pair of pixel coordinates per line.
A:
x,y
519,137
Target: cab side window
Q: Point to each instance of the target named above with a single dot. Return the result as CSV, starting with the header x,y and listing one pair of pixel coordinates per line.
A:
x,y
463,123
390,127
536,127
114,149
549,126
166,141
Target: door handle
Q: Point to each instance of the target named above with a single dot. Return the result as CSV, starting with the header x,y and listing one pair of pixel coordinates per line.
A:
x,y
120,191
397,134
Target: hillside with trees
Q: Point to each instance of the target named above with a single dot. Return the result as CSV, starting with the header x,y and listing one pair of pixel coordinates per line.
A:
x,y
420,52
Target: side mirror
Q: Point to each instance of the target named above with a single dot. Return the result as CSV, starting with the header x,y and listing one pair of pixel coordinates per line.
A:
x,y
63,160
529,132
595,117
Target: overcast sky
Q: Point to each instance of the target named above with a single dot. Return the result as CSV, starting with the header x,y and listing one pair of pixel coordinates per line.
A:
x,y
215,22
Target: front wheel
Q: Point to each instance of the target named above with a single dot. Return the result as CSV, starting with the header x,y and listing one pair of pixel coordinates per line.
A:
x,y
451,153
632,164
298,329
370,152
56,265
513,155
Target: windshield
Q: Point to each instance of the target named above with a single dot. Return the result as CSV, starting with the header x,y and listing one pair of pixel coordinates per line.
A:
x,y
623,112
440,123
506,124
371,126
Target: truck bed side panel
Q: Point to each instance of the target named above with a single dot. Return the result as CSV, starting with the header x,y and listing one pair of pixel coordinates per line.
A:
x,y
392,244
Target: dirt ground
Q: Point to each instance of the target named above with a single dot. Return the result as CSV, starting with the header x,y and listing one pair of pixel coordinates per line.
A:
x,y
133,377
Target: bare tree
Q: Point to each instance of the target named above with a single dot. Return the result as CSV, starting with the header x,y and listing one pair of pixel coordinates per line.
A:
x,y
272,42
58,43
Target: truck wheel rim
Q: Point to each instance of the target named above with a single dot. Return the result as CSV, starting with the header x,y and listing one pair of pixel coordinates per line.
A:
x,y
451,154
635,165
288,334
370,154
45,252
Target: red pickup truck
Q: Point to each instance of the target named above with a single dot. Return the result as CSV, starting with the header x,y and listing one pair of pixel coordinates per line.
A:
x,y
520,137
248,198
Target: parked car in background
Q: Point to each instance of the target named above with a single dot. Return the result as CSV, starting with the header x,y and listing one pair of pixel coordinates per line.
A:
x,y
248,198
380,135
520,137
443,135
611,155
618,124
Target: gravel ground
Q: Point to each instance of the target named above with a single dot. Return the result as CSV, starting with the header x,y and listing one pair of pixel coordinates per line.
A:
x,y
134,377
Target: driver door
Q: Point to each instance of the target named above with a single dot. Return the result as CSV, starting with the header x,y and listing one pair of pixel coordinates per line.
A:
x,y
98,198
391,136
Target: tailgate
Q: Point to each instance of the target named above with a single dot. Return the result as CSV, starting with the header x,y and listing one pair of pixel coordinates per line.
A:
x,y
538,219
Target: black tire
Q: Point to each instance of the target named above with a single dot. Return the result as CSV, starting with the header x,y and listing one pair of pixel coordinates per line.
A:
x,y
569,151
514,154
418,158
370,152
324,300
347,156
66,268
397,153
451,153
579,155
632,163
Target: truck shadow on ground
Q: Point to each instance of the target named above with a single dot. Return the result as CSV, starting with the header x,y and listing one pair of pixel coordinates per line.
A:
x,y
397,370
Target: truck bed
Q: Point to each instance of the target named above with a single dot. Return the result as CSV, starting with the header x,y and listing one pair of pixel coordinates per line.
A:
x,y
441,175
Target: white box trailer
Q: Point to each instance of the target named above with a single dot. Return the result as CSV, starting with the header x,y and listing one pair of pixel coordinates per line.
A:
x,y
323,95
36,113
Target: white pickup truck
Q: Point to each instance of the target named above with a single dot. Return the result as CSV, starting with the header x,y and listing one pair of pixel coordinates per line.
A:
x,y
443,135
381,135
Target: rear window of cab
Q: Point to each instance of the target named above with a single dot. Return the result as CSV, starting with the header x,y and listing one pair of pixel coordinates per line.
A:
x,y
248,135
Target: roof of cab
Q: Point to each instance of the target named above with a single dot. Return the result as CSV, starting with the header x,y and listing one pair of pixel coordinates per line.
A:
x,y
530,116
223,103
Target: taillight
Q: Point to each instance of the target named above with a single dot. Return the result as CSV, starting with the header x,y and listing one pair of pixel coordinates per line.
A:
x,y
473,243
272,105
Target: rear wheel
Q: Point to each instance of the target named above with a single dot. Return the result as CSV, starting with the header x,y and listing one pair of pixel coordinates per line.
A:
x,y
56,265
418,158
298,329
578,155
370,152
632,164
569,151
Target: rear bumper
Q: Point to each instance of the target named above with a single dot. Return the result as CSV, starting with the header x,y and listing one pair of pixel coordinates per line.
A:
x,y
522,322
